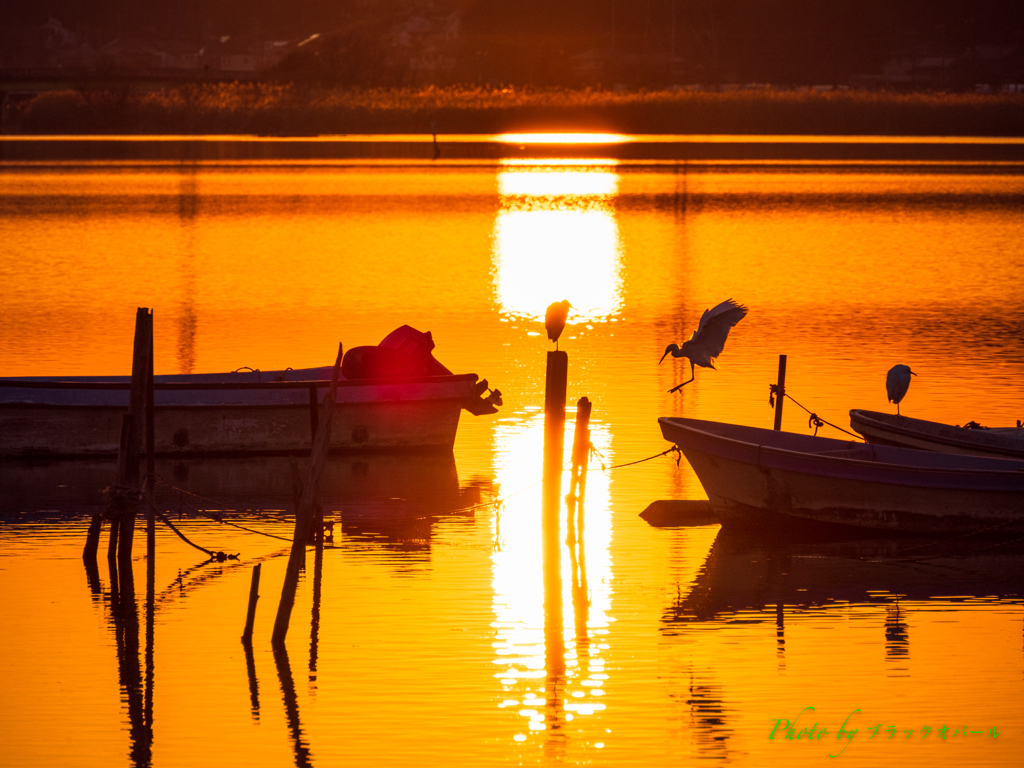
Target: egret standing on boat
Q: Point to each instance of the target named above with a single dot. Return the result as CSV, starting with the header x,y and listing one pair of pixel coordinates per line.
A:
x,y
554,319
708,340
897,382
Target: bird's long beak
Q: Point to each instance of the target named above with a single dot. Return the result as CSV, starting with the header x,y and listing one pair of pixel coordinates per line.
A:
x,y
663,357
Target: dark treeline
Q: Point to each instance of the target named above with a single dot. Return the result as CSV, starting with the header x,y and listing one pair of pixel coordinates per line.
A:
x,y
952,44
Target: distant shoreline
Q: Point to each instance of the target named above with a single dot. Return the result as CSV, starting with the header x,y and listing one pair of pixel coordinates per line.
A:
x,y
696,152
285,110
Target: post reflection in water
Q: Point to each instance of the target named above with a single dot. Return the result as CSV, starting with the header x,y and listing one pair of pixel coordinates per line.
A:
x,y
556,229
188,209
549,640
303,754
125,618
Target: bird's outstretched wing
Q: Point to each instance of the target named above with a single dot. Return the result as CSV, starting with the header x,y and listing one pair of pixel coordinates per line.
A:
x,y
715,325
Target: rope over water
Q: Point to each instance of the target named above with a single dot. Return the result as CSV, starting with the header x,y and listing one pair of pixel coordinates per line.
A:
x,y
815,420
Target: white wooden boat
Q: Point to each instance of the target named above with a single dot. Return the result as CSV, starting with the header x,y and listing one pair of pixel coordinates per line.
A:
x,y
246,412
905,432
771,478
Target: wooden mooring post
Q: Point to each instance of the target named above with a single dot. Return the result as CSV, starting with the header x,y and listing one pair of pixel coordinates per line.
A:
x,y
138,399
780,392
126,492
306,510
554,439
254,595
578,477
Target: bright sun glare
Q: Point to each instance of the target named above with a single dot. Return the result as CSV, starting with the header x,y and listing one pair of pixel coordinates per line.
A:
x,y
562,138
556,238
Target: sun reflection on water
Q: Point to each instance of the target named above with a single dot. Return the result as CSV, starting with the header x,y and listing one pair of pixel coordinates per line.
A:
x,y
530,682
556,237
562,138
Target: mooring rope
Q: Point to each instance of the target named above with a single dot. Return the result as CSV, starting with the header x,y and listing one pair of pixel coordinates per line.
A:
x,y
673,450
219,556
218,505
499,502
207,514
814,420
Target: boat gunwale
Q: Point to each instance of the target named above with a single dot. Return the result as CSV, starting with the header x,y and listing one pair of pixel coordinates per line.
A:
x,y
839,461
35,382
867,419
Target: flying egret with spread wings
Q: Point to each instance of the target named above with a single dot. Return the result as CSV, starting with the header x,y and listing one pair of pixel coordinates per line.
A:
x,y
708,340
897,382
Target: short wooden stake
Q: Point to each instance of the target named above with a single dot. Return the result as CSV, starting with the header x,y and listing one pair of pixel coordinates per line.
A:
x,y
254,595
92,538
577,478
580,447
780,393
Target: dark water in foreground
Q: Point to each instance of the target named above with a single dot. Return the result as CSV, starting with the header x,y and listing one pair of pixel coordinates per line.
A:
x,y
425,639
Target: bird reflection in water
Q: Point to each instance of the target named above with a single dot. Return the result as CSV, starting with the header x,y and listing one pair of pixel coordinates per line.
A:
x,y
707,720
897,640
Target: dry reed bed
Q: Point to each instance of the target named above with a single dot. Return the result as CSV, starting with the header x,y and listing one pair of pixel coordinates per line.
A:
x,y
262,108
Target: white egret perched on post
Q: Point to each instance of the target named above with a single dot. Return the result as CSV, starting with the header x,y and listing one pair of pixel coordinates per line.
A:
x,y
554,319
708,340
897,382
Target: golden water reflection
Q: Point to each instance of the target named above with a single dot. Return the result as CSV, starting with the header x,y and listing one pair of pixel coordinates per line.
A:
x,y
530,678
422,623
556,237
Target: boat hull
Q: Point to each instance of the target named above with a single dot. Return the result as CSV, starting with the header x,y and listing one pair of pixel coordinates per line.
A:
x,y
420,414
753,477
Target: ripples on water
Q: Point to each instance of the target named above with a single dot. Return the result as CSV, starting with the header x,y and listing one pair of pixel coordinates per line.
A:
x,y
430,642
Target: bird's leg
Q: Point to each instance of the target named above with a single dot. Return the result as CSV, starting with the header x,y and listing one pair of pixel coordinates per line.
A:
x,y
680,386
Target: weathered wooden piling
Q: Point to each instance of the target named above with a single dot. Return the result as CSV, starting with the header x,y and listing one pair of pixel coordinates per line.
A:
x,y
254,595
142,358
554,438
305,512
555,383
780,392
123,502
150,485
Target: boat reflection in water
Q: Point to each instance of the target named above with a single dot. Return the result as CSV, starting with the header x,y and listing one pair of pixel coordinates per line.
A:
x,y
862,620
395,497
755,572
382,501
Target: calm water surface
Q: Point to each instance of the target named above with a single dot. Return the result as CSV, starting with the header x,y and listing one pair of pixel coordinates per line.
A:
x,y
425,640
